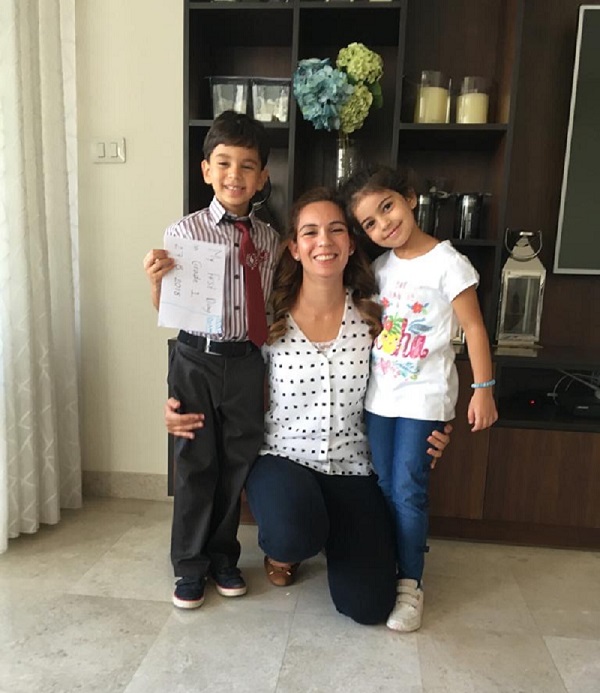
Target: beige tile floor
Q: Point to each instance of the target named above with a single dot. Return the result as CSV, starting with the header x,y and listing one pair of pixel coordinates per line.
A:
x,y
85,606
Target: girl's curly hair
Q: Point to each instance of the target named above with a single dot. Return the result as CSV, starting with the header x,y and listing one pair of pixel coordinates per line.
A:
x,y
358,277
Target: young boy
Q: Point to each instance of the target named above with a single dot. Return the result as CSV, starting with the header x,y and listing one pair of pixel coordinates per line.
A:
x,y
220,374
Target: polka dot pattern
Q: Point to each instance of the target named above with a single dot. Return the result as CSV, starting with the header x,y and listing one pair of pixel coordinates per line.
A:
x,y
316,398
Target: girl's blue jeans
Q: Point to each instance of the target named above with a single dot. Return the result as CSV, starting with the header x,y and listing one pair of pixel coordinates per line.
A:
x,y
399,450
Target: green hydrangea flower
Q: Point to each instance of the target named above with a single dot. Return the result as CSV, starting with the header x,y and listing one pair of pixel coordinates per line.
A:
x,y
356,109
360,63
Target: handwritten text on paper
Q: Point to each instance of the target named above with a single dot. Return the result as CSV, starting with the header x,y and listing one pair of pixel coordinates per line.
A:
x,y
191,297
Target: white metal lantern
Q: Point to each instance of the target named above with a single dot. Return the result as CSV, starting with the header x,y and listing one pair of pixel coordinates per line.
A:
x,y
522,291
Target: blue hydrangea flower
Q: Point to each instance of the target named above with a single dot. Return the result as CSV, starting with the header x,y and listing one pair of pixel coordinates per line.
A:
x,y
320,91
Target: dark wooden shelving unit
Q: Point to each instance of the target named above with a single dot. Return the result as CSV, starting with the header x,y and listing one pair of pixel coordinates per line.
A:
x,y
269,38
535,476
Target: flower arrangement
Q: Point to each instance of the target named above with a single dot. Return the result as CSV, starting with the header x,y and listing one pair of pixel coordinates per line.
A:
x,y
340,97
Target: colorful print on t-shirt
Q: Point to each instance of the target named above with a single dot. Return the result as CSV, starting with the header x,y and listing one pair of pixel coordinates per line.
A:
x,y
404,336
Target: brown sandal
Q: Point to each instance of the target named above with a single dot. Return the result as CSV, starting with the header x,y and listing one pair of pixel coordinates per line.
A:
x,y
280,576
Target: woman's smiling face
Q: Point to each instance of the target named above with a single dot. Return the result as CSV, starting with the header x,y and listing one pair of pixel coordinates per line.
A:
x,y
322,243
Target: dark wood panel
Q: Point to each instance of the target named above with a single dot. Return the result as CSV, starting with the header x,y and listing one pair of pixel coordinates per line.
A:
x,y
570,313
544,477
515,533
458,481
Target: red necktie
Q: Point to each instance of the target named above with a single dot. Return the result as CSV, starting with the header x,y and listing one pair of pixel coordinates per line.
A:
x,y
255,300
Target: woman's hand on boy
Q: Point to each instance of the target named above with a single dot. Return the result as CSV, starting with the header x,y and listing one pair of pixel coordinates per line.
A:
x,y
181,425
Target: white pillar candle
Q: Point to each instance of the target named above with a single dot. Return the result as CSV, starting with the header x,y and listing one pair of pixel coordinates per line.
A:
x,y
432,105
472,108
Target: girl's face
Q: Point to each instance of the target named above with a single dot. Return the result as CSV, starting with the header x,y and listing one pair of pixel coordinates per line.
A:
x,y
386,217
322,243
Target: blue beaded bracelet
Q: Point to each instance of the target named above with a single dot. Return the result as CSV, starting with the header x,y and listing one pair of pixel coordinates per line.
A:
x,y
488,383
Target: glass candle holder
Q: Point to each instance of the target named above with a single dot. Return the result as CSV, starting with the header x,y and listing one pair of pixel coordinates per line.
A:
x,y
473,101
433,98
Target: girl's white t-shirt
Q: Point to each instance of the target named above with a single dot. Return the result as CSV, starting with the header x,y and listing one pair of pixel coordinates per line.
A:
x,y
412,361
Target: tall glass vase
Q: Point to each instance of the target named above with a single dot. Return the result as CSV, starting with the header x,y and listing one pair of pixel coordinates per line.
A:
x,y
347,158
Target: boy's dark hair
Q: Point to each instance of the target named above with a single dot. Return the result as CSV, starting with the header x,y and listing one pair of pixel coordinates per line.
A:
x,y
237,130
375,178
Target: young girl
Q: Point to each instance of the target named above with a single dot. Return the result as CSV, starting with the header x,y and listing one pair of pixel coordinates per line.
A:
x,y
424,286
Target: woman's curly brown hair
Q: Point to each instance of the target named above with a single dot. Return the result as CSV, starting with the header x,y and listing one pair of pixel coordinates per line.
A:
x,y
358,277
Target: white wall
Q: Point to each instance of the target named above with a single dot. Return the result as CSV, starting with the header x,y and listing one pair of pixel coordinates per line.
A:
x,y
130,84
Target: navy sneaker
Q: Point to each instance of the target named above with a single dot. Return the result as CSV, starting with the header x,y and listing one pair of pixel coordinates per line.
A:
x,y
229,582
189,592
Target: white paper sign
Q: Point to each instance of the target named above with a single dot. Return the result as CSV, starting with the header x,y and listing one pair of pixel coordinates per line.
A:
x,y
191,296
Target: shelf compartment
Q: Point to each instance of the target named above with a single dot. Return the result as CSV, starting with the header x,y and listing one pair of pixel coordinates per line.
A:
x,y
252,42
327,24
462,38
249,25
538,397
451,136
463,171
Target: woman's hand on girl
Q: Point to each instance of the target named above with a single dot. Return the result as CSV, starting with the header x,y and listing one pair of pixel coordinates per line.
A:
x,y
438,441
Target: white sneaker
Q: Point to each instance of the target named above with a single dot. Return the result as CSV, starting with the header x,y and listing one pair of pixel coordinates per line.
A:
x,y
408,611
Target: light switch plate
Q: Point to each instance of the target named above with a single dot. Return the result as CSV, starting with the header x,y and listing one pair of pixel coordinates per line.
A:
x,y
109,151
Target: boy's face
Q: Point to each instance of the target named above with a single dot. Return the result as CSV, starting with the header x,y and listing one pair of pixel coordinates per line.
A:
x,y
235,175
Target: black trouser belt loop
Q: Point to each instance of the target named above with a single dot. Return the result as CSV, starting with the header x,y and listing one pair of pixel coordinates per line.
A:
x,y
210,346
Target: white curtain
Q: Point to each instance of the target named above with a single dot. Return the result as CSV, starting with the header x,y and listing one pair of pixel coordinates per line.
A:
x,y
40,461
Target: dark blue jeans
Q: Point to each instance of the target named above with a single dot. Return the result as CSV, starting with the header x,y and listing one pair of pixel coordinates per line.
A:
x,y
399,449
300,511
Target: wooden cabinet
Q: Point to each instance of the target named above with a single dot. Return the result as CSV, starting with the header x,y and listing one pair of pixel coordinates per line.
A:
x,y
544,477
458,481
544,461
535,476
